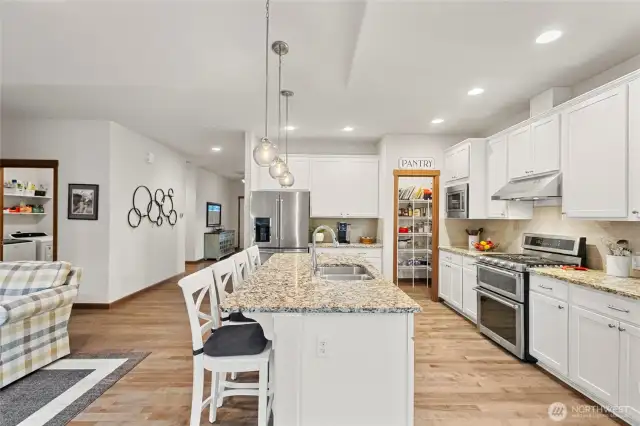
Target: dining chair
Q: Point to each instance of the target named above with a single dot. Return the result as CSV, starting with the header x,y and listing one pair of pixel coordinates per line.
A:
x,y
226,349
242,265
254,257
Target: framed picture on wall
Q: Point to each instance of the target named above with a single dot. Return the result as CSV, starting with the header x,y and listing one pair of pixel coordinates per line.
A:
x,y
83,201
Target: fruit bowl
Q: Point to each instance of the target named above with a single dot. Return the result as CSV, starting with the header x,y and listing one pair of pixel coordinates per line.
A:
x,y
488,246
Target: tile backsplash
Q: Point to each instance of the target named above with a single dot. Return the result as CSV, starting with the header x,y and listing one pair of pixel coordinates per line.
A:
x,y
548,220
359,227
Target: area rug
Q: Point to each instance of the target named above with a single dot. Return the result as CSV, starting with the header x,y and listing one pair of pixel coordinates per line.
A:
x,y
54,395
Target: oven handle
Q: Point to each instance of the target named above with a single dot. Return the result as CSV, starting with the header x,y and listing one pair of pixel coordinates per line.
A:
x,y
496,298
499,271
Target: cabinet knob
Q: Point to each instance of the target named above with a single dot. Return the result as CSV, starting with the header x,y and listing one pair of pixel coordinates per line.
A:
x,y
612,326
622,329
635,212
560,307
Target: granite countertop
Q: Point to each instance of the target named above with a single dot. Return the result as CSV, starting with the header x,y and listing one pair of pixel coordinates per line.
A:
x,y
465,251
284,284
598,280
350,245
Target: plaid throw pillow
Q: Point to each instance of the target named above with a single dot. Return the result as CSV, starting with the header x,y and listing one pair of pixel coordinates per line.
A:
x,y
20,278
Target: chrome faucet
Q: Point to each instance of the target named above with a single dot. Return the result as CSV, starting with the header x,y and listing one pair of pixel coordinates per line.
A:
x,y
314,256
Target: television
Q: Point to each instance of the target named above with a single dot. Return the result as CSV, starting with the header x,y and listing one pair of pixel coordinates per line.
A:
x,y
214,215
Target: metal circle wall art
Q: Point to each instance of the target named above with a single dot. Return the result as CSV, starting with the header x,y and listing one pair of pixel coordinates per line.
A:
x,y
156,208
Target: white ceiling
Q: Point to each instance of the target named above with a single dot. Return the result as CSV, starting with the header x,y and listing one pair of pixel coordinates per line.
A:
x,y
191,73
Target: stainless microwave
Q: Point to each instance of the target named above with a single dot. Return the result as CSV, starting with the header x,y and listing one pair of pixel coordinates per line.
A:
x,y
457,202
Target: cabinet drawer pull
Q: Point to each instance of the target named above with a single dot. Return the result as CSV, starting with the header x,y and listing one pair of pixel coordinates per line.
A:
x,y
560,307
546,288
622,329
612,326
626,311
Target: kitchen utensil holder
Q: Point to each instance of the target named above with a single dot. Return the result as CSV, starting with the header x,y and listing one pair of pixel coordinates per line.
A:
x,y
618,266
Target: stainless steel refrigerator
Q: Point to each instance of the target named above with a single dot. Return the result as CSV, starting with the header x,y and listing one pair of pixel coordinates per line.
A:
x,y
280,222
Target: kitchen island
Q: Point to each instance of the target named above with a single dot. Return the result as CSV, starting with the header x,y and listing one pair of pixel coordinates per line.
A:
x,y
344,352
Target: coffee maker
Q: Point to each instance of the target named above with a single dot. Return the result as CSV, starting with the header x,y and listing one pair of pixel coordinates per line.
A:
x,y
344,233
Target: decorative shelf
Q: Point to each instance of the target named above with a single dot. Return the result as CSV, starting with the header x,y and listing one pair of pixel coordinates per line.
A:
x,y
24,214
41,197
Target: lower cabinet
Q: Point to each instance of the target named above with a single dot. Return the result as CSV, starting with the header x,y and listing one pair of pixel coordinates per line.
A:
x,y
594,354
444,281
456,286
549,332
630,369
469,296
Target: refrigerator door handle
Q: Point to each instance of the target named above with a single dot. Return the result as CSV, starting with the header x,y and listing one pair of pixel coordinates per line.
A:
x,y
277,221
280,219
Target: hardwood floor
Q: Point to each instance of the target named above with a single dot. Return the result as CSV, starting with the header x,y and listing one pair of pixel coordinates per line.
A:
x,y
461,377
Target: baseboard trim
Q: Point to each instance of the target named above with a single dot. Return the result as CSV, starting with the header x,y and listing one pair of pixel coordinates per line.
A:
x,y
193,262
125,298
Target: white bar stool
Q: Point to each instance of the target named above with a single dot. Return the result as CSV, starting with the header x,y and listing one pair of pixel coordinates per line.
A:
x,y
254,258
249,352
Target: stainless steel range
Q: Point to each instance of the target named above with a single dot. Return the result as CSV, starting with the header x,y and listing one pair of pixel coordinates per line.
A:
x,y
503,286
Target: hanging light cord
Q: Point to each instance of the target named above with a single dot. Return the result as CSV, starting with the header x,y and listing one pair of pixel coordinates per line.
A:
x,y
266,75
279,94
286,131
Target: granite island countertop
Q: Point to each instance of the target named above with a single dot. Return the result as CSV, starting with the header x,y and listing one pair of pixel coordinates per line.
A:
x,y
350,245
597,280
284,284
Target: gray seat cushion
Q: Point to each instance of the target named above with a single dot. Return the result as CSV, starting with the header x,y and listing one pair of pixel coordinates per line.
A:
x,y
236,340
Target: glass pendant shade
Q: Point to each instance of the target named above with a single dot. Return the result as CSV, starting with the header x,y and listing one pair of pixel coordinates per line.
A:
x,y
286,180
278,168
265,153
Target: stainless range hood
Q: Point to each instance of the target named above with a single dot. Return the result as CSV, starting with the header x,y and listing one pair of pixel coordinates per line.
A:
x,y
539,188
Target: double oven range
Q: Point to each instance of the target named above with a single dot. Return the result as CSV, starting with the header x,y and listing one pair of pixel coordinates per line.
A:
x,y
503,286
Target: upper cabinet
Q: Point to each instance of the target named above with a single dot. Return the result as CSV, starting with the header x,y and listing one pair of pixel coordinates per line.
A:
x,y
344,187
456,163
496,176
634,150
298,165
595,155
535,149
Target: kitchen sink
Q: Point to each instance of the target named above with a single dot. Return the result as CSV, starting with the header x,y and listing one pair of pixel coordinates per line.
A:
x,y
344,273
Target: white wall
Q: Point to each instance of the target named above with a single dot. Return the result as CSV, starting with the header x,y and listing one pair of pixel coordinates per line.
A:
x,y
216,189
390,149
82,148
190,213
148,254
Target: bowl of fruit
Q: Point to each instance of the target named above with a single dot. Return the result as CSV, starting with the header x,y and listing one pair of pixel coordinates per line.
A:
x,y
486,245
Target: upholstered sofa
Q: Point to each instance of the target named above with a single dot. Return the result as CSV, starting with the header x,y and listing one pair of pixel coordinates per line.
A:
x,y
35,306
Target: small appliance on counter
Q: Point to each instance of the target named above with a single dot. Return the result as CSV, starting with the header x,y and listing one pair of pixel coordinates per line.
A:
x,y
344,233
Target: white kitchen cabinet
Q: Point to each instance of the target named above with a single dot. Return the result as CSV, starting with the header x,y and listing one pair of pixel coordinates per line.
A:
x,y
594,157
444,283
457,163
594,354
630,369
549,332
299,166
456,286
519,153
344,187
469,296
496,176
545,146
634,150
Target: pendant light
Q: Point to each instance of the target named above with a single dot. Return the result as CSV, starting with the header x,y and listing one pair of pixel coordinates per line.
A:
x,y
266,152
287,179
279,167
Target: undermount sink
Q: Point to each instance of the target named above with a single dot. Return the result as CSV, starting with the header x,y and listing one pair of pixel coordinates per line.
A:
x,y
344,273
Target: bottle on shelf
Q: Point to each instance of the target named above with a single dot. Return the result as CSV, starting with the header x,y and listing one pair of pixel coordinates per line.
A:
x,y
410,210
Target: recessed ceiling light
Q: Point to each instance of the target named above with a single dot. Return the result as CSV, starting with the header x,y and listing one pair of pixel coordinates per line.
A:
x,y
437,121
548,36
347,129
242,180
290,128
475,91
216,149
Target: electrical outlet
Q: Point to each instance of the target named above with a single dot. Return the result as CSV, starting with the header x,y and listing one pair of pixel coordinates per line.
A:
x,y
636,261
322,348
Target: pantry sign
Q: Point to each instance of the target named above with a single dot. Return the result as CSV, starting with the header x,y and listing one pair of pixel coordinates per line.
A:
x,y
419,163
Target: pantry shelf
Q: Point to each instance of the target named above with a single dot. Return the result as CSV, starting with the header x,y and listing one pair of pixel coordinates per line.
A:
x,y
39,197
24,214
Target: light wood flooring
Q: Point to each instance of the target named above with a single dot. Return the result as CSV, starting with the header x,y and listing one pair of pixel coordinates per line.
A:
x,y
461,378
